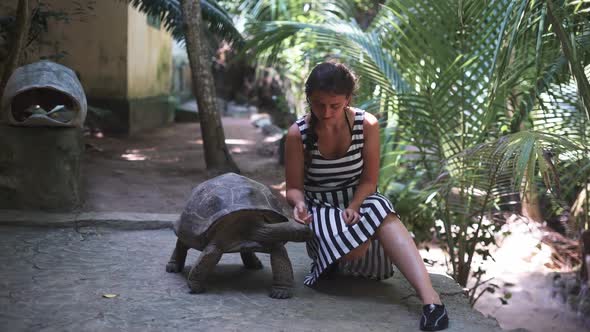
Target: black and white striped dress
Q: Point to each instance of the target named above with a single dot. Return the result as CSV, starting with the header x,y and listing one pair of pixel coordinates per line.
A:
x,y
329,186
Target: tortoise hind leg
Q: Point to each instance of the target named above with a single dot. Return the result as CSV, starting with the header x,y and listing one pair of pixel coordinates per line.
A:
x,y
209,257
178,258
282,273
250,260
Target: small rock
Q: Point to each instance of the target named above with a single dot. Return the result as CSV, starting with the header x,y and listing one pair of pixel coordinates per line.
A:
x,y
234,109
267,150
271,129
260,120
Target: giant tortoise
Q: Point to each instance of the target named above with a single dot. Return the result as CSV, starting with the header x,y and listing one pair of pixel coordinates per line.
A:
x,y
232,213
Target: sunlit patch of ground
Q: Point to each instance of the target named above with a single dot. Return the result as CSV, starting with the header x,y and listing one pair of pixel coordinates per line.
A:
x,y
519,270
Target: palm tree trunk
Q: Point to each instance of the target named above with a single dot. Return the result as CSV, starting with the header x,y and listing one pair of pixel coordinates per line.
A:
x,y
17,43
217,156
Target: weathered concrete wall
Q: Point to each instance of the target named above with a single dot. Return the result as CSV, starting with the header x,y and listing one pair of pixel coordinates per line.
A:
x,y
40,168
148,113
149,74
96,48
150,58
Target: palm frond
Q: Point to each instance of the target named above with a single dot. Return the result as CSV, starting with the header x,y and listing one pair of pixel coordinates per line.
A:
x,y
523,155
169,11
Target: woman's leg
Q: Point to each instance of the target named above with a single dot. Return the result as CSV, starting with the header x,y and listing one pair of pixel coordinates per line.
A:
x,y
400,248
358,252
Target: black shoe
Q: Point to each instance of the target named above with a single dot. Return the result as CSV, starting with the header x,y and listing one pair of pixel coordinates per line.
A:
x,y
434,318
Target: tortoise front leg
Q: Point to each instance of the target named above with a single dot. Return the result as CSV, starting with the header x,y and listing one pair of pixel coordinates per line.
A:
x,y
250,260
282,273
178,258
209,257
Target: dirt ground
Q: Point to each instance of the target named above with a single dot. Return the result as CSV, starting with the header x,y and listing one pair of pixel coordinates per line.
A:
x,y
156,171
519,268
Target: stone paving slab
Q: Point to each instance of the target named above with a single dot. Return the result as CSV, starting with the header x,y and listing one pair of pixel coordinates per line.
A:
x,y
116,220
54,279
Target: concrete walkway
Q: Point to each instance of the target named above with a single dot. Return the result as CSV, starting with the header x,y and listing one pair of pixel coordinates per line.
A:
x,y
114,220
55,279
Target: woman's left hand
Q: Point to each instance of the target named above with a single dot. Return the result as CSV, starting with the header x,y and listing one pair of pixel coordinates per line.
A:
x,y
351,216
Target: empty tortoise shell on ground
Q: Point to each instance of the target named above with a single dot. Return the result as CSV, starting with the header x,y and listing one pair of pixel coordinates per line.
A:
x,y
232,213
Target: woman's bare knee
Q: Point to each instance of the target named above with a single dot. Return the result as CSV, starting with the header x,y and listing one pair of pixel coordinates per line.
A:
x,y
392,217
392,220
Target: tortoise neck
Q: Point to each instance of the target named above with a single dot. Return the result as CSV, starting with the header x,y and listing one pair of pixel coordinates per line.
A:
x,y
285,231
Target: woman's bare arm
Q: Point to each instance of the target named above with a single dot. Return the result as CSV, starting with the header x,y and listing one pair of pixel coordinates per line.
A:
x,y
294,174
370,175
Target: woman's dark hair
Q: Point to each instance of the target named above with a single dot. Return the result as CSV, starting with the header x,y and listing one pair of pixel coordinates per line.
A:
x,y
331,77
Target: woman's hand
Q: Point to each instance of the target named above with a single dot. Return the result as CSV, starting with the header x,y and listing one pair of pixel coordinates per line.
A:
x,y
351,216
300,213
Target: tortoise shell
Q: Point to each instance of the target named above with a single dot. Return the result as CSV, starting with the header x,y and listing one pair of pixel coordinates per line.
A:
x,y
227,198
